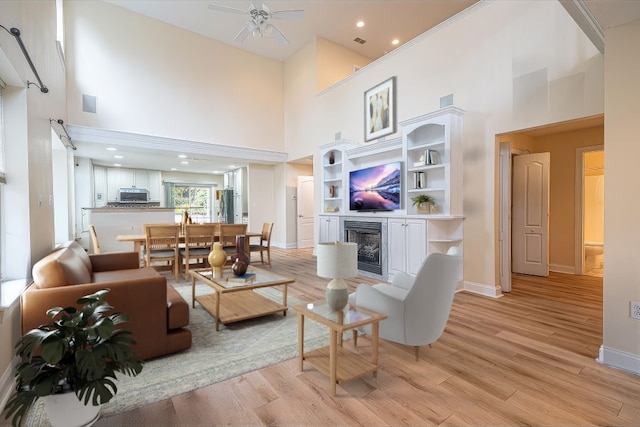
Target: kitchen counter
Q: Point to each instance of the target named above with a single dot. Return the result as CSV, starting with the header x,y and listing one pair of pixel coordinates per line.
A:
x,y
109,222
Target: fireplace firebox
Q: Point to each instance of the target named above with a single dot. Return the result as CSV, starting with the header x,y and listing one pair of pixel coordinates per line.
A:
x,y
370,236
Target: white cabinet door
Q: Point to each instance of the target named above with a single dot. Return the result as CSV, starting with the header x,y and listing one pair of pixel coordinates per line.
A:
x,y
407,245
416,241
141,178
155,186
329,229
397,245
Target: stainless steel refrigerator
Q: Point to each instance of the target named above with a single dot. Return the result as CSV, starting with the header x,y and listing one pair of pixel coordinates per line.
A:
x,y
226,206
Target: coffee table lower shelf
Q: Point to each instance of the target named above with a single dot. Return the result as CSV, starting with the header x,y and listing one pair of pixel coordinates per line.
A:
x,y
349,365
240,306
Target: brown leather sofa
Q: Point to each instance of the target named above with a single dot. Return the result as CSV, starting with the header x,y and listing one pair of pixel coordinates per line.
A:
x,y
159,315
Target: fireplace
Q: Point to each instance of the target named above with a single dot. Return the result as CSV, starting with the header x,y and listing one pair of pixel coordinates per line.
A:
x,y
370,235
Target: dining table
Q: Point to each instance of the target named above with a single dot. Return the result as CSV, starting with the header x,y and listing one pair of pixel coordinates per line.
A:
x,y
139,240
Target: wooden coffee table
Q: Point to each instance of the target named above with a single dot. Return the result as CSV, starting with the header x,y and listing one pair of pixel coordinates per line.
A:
x,y
232,302
338,364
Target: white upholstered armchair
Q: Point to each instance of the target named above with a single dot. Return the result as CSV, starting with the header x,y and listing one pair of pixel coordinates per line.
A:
x,y
417,307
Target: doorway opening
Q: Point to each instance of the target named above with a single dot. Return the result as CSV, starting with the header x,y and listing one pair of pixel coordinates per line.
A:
x,y
590,211
565,141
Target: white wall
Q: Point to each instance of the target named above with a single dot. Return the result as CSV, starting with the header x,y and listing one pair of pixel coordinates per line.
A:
x,y
621,346
509,65
151,78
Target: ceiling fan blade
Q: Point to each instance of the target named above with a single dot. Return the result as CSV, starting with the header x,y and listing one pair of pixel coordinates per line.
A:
x,y
242,35
222,8
280,38
288,14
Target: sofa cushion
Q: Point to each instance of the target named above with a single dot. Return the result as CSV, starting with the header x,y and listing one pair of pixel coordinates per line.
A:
x,y
117,275
177,309
47,273
80,253
74,268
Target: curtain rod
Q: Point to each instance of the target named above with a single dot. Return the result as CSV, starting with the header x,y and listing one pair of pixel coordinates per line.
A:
x,y
16,33
61,123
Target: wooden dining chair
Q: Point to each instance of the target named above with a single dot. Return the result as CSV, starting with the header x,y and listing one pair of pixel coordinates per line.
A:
x,y
228,233
265,243
162,244
94,239
198,239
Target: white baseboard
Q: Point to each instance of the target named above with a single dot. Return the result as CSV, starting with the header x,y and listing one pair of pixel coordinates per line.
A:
x,y
7,383
483,289
558,268
284,245
619,359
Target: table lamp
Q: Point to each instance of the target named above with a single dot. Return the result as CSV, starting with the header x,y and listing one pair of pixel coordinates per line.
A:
x,y
337,261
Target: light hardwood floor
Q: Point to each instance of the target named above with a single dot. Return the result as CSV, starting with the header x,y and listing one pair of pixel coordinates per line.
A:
x,y
527,358
524,359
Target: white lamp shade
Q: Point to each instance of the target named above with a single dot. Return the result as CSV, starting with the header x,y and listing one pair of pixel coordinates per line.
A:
x,y
337,260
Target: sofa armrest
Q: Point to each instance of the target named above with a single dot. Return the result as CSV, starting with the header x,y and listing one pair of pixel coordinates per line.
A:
x,y
114,261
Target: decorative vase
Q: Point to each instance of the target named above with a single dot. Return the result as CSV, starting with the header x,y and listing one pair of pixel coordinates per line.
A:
x,y
337,295
217,258
241,259
64,409
332,158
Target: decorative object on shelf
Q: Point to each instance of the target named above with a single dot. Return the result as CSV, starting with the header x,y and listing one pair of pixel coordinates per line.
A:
x,y
78,354
337,261
419,181
217,257
332,157
241,259
380,110
332,191
433,208
431,157
422,203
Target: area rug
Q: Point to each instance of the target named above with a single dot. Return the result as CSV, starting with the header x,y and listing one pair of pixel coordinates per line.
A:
x,y
235,349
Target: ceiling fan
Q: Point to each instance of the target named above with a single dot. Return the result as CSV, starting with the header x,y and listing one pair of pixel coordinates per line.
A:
x,y
258,24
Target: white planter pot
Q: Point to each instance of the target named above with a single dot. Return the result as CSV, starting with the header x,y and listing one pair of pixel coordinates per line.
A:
x,y
65,410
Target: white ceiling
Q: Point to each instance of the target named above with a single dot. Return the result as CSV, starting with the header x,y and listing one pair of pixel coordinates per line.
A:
x,y
333,20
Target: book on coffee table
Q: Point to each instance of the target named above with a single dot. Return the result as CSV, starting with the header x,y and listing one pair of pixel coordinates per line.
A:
x,y
245,278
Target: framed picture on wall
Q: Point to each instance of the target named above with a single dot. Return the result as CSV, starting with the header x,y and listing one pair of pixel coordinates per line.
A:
x,y
380,110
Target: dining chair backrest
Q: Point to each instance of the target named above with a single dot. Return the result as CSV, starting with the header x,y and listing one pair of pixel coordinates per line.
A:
x,y
200,235
161,244
267,227
94,239
228,233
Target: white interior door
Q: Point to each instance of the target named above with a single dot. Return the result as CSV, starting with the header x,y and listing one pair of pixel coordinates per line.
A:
x,y
305,212
530,215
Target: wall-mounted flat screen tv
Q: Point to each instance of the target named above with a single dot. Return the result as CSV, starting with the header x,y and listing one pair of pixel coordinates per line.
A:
x,y
376,188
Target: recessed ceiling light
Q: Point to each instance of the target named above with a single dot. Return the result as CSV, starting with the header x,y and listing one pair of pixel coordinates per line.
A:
x,y
184,162
360,24
118,156
111,149
174,169
117,164
216,171
232,166
395,42
182,156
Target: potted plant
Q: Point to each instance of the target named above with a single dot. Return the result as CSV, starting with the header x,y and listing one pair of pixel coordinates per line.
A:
x,y
422,202
76,356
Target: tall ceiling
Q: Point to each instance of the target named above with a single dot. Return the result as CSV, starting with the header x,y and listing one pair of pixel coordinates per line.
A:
x,y
333,20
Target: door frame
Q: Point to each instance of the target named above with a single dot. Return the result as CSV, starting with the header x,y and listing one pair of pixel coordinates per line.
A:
x,y
579,205
504,230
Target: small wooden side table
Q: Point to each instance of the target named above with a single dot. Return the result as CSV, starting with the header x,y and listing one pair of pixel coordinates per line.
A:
x,y
339,364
